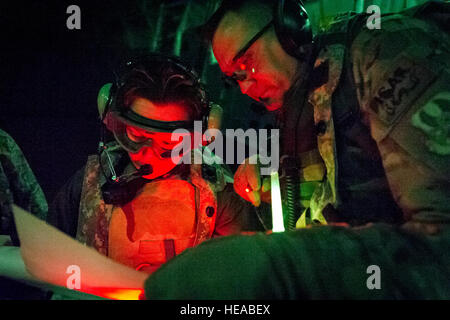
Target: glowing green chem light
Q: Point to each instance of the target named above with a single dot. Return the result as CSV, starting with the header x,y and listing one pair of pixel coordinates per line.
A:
x,y
277,210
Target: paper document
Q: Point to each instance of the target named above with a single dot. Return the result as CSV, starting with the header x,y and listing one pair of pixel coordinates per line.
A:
x,y
53,257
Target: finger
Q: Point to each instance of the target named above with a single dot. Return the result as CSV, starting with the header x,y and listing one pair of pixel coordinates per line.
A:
x,y
419,227
254,198
266,197
266,185
253,177
251,197
432,229
240,180
240,190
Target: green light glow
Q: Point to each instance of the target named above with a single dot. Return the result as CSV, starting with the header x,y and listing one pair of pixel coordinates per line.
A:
x,y
277,211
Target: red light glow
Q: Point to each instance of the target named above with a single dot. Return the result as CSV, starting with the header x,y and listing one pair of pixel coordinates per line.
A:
x,y
117,293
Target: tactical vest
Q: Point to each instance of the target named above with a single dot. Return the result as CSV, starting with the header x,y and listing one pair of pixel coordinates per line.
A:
x,y
95,215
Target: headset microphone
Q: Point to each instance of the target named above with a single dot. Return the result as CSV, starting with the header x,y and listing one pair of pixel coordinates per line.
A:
x,y
145,170
124,189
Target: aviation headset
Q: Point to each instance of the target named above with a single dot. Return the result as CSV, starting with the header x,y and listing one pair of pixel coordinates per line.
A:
x,y
292,26
109,99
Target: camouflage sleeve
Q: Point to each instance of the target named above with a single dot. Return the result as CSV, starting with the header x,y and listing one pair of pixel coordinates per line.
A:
x,y
318,263
23,185
64,208
402,75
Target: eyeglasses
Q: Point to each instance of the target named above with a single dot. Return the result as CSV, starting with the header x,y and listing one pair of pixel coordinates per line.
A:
x,y
241,75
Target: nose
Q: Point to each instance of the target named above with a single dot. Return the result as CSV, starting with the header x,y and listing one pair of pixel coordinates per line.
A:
x,y
246,85
146,153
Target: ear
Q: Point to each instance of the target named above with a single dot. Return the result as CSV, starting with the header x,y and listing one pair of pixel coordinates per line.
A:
x,y
102,99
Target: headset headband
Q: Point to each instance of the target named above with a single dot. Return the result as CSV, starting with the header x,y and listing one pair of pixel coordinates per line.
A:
x,y
132,118
143,63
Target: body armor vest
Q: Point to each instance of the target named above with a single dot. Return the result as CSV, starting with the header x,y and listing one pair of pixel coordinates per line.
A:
x,y
165,217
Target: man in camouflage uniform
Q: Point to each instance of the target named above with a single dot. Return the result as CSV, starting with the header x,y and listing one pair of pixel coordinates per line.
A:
x,y
378,100
18,185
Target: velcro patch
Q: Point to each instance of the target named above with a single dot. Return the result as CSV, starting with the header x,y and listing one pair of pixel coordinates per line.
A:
x,y
401,87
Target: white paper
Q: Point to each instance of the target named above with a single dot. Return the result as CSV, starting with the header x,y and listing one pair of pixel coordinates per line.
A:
x,y
50,255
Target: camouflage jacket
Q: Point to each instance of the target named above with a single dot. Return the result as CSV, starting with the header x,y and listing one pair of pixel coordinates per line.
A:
x,y
401,76
17,183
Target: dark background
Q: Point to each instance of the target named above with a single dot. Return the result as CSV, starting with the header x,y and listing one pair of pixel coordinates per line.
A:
x,y
50,75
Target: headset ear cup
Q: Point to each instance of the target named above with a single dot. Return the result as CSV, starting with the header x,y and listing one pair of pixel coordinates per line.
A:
x,y
292,26
103,100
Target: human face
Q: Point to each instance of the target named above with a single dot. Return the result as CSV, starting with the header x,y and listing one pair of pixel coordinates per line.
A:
x,y
159,145
264,71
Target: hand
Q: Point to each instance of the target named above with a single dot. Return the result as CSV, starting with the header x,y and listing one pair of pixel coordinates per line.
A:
x,y
249,184
429,229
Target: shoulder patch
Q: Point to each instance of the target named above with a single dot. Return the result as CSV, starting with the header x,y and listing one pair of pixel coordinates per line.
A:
x,y
399,89
433,119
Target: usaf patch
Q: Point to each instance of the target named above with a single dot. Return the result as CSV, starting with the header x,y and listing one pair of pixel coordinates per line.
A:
x,y
434,120
400,89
